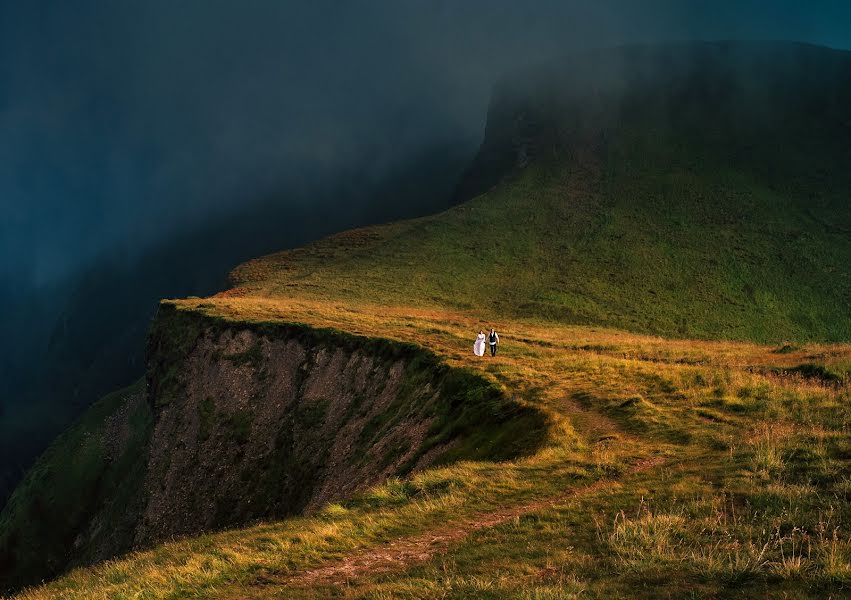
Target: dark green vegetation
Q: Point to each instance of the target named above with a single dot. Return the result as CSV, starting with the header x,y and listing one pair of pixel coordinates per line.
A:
x,y
80,501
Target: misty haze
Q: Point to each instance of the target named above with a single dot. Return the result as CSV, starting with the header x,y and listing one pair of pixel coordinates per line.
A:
x,y
425,300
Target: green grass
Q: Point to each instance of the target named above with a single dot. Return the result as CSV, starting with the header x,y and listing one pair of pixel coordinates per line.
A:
x,y
75,484
81,503
702,249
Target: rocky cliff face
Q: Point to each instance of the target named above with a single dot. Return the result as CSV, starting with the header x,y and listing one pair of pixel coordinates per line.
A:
x,y
267,420
270,426
239,422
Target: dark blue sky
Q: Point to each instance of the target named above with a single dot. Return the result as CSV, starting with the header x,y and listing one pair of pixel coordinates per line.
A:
x,y
124,122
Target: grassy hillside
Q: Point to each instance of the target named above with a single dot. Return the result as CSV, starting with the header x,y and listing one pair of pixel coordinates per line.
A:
x,y
666,261
79,502
643,254
651,205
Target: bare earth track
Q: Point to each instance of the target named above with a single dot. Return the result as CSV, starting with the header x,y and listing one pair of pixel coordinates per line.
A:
x,y
405,552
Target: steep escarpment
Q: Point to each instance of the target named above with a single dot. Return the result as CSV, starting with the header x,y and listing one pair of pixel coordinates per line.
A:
x,y
258,421
241,421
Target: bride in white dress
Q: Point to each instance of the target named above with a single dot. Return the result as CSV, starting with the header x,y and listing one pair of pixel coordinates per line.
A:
x,y
479,346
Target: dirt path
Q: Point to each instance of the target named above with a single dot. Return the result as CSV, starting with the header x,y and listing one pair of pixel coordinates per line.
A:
x,y
594,426
405,552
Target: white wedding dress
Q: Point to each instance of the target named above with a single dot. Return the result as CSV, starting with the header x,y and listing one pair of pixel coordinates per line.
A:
x,y
479,346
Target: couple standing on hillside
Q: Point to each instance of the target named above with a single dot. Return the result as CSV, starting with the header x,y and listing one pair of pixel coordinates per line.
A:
x,y
492,339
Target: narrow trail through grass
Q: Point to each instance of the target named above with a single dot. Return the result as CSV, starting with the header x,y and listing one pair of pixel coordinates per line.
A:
x,y
593,426
402,553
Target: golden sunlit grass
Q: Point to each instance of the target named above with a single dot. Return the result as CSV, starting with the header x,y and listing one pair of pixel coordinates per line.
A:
x,y
755,487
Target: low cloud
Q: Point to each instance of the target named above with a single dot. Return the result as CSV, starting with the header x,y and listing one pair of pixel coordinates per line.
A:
x,y
124,123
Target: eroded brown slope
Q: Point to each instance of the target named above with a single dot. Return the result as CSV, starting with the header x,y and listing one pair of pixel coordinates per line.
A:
x,y
255,422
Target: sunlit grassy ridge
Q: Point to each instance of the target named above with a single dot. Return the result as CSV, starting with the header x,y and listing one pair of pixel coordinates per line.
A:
x,y
607,238
753,495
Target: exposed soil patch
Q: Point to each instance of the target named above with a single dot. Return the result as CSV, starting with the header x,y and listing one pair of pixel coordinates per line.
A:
x,y
267,428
